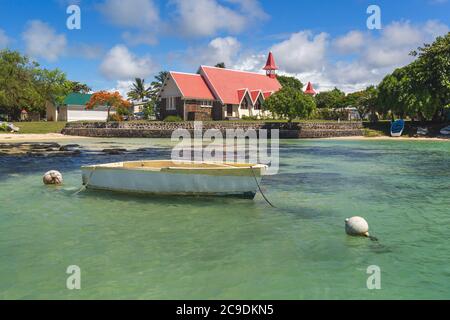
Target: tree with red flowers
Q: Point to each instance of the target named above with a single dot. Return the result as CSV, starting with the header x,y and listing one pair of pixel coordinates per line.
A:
x,y
109,99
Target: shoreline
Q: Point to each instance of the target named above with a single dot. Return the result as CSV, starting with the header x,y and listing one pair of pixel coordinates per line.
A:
x,y
29,137
387,138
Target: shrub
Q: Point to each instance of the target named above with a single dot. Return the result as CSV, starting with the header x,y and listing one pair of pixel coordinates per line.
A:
x,y
251,118
172,119
4,127
115,117
328,114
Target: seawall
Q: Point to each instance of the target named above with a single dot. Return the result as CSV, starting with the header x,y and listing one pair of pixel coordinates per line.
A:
x,y
158,129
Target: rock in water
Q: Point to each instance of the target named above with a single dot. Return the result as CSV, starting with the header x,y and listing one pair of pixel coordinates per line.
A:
x,y
53,177
357,226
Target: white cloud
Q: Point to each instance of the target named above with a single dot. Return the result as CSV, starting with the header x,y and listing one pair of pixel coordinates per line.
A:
x,y
120,64
349,43
122,86
435,28
42,41
251,8
251,62
208,17
376,56
130,13
143,37
399,34
86,51
301,52
141,16
308,57
4,40
398,40
220,50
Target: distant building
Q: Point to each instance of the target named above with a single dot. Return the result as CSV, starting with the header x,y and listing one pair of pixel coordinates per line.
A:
x,y
310,89
218,93
74,109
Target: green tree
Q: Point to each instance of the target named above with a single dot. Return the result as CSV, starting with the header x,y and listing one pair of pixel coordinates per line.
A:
x,y
156,84
431,71
149,109
139,91
78,87
365,102
220,65
290,103
52,85
25,85
398,95
17,90
156,87
330,99
290,82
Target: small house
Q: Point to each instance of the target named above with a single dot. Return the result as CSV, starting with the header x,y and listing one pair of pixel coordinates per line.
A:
x,y
74,109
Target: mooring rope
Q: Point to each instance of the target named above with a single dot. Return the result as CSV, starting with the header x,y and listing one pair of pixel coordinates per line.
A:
x,y
84,186
259,187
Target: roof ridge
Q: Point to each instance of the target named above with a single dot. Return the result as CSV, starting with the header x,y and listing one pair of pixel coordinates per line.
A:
x,y
186,73
251,72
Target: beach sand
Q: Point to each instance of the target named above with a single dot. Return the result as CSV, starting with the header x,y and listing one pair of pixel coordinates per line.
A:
x,y
386,138
30,137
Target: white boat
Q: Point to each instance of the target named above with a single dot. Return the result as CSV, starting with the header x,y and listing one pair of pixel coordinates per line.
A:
x,y
167,177
422,131
445,131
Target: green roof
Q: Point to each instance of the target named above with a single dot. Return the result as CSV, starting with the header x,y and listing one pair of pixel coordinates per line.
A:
x,y
78,99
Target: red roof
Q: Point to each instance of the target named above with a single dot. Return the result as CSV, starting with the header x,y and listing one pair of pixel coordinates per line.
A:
x,y
192,86
225,83
267,94
241,93
270,64
255,94
310,89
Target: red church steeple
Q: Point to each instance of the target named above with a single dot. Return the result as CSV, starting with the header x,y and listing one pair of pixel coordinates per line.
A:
x,y
270,67
309,89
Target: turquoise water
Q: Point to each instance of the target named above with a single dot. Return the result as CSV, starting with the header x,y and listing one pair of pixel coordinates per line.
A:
x,y
212,248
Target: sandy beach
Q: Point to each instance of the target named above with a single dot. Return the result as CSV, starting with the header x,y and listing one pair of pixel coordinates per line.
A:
x,y
30,137
386,138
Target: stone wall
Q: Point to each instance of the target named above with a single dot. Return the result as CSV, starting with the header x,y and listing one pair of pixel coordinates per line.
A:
x,y
159,129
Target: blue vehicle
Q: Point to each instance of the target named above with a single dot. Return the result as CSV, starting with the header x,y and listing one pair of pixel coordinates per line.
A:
x,y
397,128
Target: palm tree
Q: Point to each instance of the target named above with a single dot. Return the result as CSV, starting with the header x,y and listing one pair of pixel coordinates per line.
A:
x,y
157,84
139,91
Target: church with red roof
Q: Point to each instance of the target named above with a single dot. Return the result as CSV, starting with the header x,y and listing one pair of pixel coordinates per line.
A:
x,y
217,93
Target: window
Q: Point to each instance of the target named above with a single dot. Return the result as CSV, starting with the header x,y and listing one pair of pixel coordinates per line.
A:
x,y
206,103
244,104
171,103
258,105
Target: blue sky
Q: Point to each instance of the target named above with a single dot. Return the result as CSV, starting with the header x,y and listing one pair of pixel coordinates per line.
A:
x,y
326,42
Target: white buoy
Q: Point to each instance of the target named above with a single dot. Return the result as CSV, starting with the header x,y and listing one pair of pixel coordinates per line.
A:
x,y
52,177
357,226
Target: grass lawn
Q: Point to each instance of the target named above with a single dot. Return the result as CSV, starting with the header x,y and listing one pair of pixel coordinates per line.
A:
x,y
39,127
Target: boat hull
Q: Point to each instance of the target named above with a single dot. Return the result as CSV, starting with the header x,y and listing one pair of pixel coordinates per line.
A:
x,y
208,182
397,128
